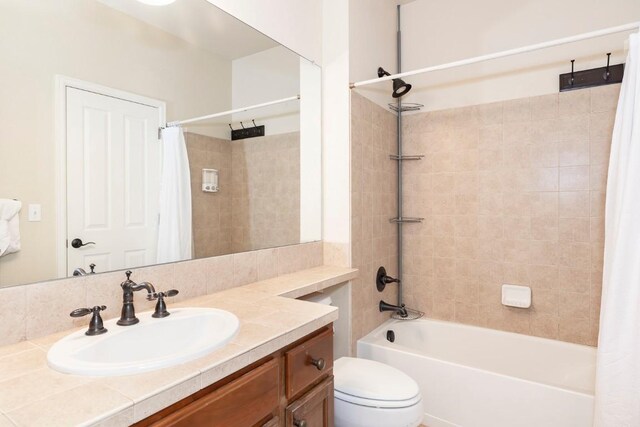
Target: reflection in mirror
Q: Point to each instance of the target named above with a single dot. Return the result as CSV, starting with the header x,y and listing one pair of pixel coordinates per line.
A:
x,y
135,135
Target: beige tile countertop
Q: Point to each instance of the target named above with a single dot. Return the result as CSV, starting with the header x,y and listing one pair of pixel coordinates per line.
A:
x,y
32,394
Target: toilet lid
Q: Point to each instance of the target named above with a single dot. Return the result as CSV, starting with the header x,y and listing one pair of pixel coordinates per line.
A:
x,y
371,380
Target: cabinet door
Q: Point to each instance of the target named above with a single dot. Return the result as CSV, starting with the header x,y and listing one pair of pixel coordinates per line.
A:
x,y
314,409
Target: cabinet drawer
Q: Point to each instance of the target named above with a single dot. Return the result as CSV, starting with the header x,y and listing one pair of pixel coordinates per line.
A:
x,y
314,409
243,402
308,362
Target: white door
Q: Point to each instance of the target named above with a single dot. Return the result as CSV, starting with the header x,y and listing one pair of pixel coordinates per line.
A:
x,y
113,176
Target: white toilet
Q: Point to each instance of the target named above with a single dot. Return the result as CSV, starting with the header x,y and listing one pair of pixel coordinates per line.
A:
x,y
371,394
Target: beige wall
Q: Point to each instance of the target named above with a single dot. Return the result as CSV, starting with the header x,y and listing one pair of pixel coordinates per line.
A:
x,y
293,23
211,212
265,191
88,41
512,192
437,32
373,203
372,44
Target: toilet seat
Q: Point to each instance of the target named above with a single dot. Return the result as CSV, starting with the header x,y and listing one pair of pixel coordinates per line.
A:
x,y
373,384
372,403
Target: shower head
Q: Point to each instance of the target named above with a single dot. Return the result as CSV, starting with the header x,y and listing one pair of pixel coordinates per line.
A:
x,y
400,87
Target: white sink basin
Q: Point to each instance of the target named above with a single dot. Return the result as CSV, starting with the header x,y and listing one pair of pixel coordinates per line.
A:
x,y
188,333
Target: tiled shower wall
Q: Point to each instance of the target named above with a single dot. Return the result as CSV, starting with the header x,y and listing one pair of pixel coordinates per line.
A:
x,y
373,203
211,211
258,203
512,192
265,191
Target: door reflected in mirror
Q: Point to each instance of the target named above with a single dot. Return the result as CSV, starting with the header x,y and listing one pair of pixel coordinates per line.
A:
x,y
146,135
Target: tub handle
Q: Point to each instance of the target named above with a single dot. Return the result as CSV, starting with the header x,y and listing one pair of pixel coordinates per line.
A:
x,y
318,363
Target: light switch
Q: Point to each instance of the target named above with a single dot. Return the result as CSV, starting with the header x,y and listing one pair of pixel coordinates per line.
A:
x,y
35,212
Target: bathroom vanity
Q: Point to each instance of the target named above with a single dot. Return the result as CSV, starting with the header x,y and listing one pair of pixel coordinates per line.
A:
x,y
291,387
276,371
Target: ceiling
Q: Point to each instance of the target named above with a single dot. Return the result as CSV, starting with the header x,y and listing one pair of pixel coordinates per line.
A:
x,y
200,23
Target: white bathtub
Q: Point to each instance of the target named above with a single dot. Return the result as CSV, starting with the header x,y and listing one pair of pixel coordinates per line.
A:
x,y
473,377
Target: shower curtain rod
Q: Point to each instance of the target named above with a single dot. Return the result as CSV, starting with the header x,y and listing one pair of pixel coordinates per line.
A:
x,y
237,110
585,36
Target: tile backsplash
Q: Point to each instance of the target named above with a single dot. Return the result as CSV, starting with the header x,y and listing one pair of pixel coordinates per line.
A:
x,y
35,310
512,192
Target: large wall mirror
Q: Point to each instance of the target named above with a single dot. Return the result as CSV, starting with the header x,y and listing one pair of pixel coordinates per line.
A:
x,y
134,135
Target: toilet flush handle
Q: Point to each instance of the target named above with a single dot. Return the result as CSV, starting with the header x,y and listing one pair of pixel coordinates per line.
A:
x,y
318,363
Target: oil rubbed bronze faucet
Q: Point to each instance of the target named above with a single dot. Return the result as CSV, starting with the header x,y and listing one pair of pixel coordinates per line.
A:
x,y
128,315
399,309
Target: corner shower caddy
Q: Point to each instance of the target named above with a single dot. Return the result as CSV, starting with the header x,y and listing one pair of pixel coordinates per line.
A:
x,y
398,107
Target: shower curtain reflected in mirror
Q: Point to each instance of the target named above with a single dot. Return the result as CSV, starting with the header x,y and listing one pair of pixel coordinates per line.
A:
x,y
617,401
174,226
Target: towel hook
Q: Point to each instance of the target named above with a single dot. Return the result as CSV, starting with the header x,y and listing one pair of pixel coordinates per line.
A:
x,y
572,74
230,127
254,123
241,124
607,74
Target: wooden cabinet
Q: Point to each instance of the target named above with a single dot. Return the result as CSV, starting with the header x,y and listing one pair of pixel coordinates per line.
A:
x,y
314,409
293,387
308,362
243,402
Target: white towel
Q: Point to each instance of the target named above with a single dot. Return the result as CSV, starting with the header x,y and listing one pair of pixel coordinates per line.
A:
x,y
9,226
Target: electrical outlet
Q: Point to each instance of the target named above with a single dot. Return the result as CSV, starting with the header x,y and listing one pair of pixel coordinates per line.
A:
x,y
35,212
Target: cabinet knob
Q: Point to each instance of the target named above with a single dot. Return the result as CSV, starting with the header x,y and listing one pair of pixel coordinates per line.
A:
x,y
318,363
299,423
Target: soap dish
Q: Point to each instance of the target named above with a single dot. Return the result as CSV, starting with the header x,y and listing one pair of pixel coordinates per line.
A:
x,y
516,296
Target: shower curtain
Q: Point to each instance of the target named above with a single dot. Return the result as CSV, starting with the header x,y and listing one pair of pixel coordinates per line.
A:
x,y
174,228
617,402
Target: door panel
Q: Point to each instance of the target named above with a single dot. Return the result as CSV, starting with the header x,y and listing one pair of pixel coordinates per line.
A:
x,y
95,144
113,175
135,151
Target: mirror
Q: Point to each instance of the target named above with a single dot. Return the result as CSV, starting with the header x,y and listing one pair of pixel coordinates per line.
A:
x,y
135,135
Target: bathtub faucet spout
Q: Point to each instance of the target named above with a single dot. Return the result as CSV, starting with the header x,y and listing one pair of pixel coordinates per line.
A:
x,y
400,309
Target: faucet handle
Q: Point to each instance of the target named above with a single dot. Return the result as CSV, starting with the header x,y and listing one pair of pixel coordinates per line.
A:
x,y
127,282
158,295
161,306
96,326
79,312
